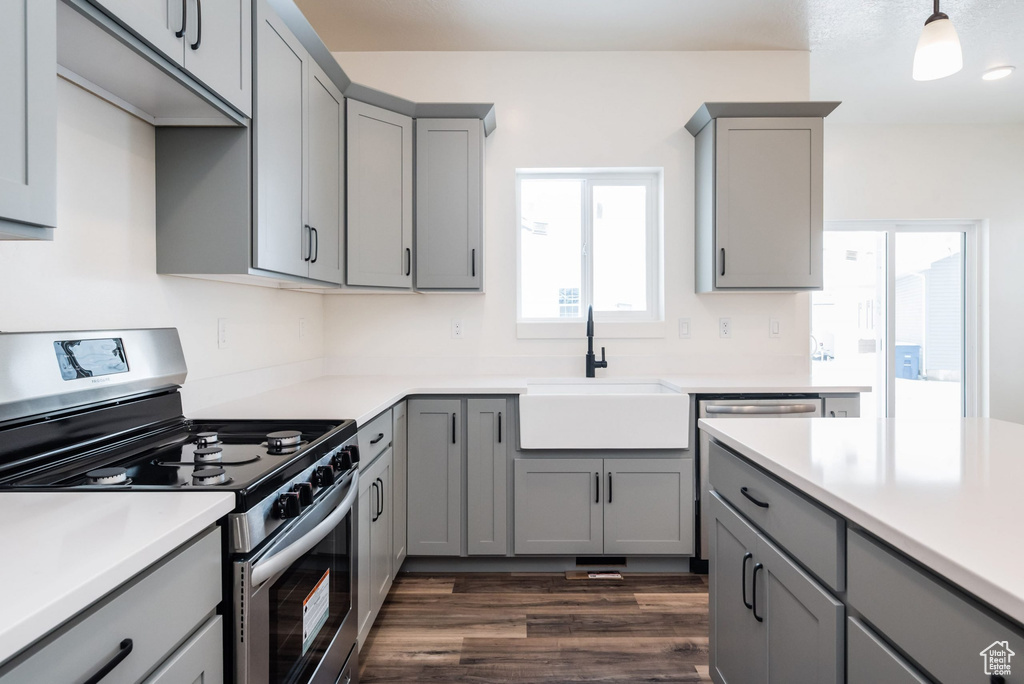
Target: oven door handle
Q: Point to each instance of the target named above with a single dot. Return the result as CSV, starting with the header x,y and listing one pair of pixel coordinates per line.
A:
x,y
280,561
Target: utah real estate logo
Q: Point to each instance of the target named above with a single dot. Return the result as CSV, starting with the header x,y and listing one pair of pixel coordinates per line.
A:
x,y
996,658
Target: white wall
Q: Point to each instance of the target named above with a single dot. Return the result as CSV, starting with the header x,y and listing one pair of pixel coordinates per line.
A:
x,y
574,110
100,269
946,172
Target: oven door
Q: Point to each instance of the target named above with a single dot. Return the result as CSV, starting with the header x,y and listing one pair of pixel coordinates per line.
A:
x,y
295,617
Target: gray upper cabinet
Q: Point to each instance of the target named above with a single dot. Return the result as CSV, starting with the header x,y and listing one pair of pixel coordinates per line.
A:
x,y
487,476
28,120
210,40
449,204
759,195
299,132
435,477
379,165
648,506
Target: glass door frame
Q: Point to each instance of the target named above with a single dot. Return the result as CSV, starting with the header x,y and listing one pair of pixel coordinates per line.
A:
x,y
973,294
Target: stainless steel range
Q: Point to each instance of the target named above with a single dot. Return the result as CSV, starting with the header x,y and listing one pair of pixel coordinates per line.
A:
x,y
101,411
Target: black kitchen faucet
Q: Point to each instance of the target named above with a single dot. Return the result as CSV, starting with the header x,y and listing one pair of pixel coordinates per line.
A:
x,y
593,363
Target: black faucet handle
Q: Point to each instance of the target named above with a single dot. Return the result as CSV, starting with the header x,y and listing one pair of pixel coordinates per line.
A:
x,y
602,363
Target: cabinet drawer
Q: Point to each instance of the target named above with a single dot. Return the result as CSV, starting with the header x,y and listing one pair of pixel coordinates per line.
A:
x,y
870,661
943,631
374,438
157,611
812,535
199,660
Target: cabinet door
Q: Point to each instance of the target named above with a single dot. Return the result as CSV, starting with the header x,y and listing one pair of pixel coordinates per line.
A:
x,y
157,22
648,506
281,242
399,491
768,202
738,644
200,659
28,118
364,580
435,477
380,532
449,203
379,197
558,506
805,629
326,174
486,474
218,48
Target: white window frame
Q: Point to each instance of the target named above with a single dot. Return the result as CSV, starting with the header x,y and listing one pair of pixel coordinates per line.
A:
x,y
974,323
624,324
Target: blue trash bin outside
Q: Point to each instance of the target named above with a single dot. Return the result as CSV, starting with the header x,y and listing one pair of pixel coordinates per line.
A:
x,y
908,361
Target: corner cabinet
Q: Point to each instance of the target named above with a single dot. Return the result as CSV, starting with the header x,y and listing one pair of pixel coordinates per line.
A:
x,y
758,195
449,204
627,506
299,165
209,40
28,120
380,181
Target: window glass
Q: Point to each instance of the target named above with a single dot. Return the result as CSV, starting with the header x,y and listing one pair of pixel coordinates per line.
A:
x,y
551,240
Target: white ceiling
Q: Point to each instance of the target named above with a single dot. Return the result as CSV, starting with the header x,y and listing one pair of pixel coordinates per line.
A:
x,y
861,50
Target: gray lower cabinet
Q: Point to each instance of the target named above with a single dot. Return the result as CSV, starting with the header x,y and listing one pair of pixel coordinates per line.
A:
x,y
648,506
449,204
769,620
435,477
28,120
379,170
634,506
212,41
299,151
169,613
841,405
375,554
558,506
870,660
399,484
486,476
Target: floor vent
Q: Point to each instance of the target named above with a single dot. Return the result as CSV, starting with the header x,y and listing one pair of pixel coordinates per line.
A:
x,y
601,561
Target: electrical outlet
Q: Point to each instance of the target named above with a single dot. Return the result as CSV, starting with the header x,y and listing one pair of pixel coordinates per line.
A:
x,y
725,327
222,333
774,327
684,328
457,328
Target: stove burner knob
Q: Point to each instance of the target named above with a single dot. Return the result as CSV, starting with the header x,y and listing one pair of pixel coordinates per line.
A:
x,y
342,461
288,506
353,452
323,476
305,492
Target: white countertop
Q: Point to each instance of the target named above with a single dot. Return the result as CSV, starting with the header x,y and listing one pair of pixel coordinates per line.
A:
x,y
363,397
947,493
65,550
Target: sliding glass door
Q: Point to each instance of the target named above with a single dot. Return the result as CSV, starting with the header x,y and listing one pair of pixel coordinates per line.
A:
x,y
892,314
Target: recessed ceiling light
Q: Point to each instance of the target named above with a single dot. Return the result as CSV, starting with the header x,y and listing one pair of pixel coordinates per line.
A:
x,y
996,73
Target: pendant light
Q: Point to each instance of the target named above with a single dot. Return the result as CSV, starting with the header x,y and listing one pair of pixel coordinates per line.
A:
x,y
938,50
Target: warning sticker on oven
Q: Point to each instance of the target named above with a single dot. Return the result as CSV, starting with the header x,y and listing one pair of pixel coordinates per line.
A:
x,y
315,609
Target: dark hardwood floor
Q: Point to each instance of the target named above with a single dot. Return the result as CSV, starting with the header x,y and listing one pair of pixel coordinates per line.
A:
x,y
540,627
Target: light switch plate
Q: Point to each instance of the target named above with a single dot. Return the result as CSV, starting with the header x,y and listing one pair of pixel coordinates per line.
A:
x,y
774,327
684,328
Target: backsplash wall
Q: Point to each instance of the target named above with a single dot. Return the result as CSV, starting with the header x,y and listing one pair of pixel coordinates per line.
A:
x,y
100,269
575,110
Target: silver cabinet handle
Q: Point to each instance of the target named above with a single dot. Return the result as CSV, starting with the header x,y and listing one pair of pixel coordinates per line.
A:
x,y
759,409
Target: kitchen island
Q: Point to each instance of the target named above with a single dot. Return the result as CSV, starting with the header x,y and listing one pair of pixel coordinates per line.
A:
x,y
905,527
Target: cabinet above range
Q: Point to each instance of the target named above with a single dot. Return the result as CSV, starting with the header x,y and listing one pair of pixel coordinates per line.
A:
x,y
758,195
317,192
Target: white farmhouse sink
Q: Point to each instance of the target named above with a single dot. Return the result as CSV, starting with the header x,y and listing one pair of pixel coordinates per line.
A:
x,y
603,413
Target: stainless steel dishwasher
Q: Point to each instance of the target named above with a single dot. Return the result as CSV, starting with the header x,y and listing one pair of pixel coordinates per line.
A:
x,y
789,406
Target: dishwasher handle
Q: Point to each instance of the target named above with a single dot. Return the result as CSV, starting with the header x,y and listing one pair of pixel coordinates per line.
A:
x,y
761,409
